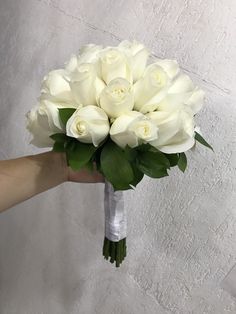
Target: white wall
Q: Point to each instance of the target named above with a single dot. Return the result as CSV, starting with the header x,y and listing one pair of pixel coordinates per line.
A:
x,y
182,229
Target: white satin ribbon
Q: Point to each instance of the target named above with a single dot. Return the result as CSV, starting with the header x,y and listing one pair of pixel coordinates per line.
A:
x,y
115,214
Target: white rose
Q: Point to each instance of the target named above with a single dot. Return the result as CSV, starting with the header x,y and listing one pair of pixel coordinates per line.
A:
x,y
87,54
114,64
56,87
88,125
72,64
133,129
117,98
171,67
138,54
85,85
52,110
182,91
195,101
151,88
43,121
176,130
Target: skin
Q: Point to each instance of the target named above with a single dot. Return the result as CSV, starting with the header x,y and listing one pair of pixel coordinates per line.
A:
x,y
24,177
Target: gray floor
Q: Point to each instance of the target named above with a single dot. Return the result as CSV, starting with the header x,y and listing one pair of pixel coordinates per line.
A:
x,y
182,229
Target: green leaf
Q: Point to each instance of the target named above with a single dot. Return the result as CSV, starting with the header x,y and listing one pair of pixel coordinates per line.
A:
x,y
173,159
138,175
116,167
154,149
59,137
58,147
153,165
153,172
65,114
182,162
130,153
79,154
158,157
144,147
201,140
71,143
89,166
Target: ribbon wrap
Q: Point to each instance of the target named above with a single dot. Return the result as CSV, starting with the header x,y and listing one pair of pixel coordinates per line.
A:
x,y
115,214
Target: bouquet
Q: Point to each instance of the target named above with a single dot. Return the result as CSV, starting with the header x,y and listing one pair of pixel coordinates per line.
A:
x,y
124,112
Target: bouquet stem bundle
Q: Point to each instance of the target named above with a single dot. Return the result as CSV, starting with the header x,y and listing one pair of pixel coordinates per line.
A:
x,y
114,246
116,251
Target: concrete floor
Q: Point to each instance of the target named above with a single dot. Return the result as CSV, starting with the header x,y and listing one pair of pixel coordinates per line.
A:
x,y
182,229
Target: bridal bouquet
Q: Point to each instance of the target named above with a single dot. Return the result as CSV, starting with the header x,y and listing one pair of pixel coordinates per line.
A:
x,y
124,112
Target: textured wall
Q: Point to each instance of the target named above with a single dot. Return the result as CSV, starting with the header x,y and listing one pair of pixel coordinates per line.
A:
x,y
182,229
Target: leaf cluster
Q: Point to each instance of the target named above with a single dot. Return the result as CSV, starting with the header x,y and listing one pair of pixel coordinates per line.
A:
x,y
124,168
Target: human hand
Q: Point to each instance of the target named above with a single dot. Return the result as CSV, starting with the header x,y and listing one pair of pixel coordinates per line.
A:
x,y
84,176
38,173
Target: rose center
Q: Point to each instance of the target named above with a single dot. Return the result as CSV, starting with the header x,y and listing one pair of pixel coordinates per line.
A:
x,y
158,78
118,92
112,57
81,128
144,130
84,68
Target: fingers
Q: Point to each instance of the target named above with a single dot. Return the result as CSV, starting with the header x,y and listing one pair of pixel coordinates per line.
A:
x,y
95,177
85,176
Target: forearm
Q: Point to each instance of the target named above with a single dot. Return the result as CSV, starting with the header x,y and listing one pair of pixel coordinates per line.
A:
x,y
25,177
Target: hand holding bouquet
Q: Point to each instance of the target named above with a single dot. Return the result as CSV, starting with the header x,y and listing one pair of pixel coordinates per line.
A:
x,y
124,112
